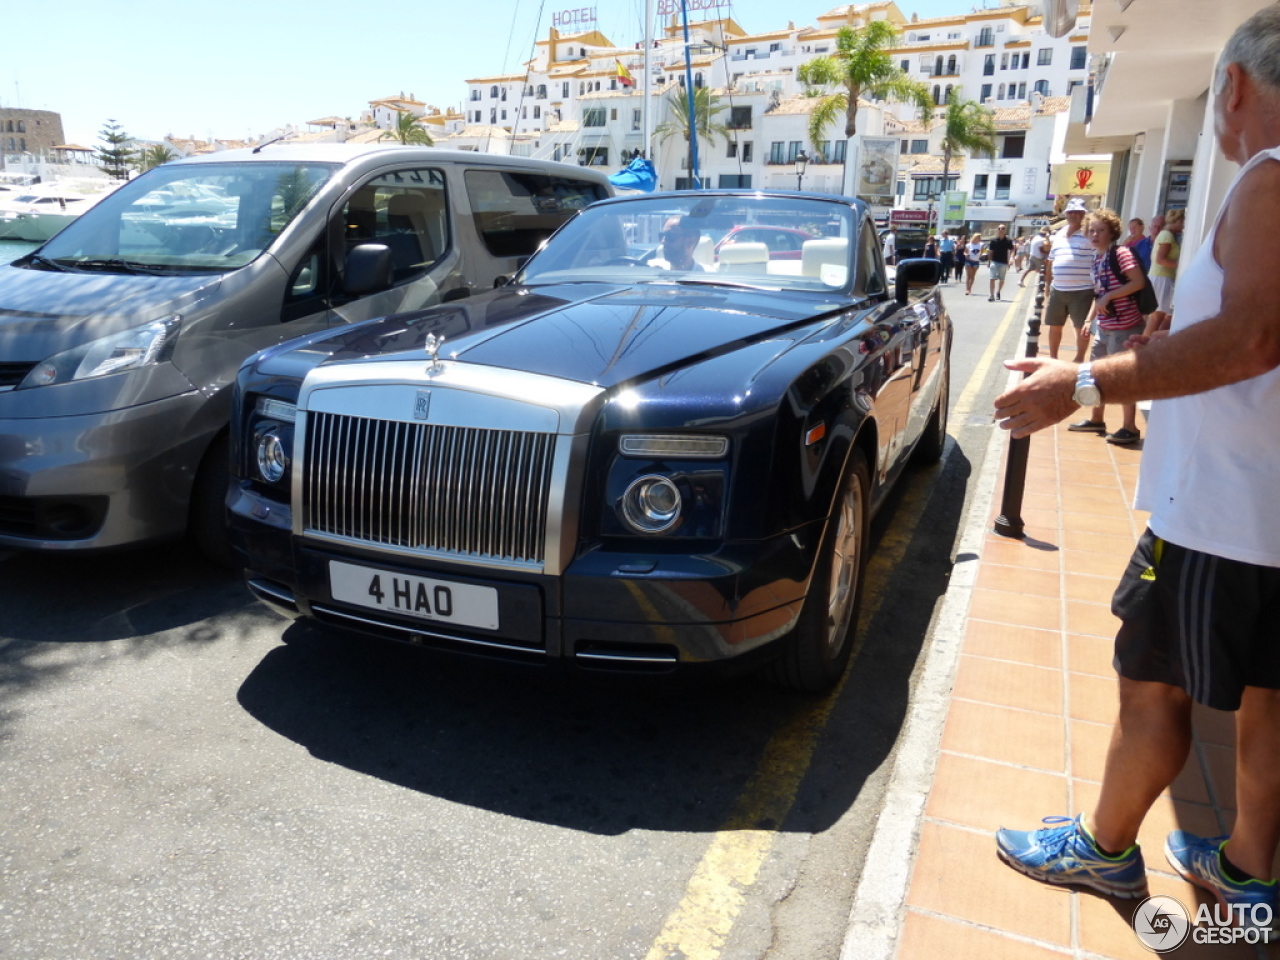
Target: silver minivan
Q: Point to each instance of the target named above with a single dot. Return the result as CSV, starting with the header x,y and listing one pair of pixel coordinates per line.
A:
x,y
121,336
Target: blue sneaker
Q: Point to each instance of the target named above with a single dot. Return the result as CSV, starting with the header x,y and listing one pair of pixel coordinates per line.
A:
x,y
1197,859
1064,853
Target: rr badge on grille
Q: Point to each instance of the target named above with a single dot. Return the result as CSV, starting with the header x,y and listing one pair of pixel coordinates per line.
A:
x,y
422,405
432,346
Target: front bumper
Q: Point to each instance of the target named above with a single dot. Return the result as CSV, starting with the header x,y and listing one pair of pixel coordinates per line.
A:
x,y
101,480
610,610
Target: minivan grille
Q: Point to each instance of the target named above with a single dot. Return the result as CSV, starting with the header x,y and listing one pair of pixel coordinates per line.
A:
x,y
12,374
475,493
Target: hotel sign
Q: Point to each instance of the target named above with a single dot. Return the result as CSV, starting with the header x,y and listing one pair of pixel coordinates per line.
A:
x,y
668,7
576,18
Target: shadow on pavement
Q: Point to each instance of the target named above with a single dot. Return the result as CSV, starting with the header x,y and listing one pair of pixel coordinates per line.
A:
x,y
603,757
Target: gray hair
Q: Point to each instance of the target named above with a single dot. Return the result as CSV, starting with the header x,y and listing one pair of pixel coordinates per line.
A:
x,y
1255,46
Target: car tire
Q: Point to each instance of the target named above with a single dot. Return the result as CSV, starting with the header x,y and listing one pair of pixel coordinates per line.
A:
x,y
934,439
207,516
816,652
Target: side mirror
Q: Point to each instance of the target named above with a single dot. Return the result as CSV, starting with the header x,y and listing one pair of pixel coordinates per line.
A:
x,y
919,274
500,281
368,269
457,293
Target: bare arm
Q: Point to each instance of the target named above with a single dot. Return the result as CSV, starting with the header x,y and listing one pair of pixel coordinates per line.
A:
x,y
1241,342
1162,256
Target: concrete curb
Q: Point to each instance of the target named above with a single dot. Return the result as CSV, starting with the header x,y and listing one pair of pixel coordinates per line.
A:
x,y
875,919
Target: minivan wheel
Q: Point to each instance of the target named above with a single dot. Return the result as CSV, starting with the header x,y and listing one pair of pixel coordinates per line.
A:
x,y
817,650
207,517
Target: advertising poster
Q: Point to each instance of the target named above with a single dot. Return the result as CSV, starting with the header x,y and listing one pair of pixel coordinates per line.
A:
x,y
1085,178
953,206
876,174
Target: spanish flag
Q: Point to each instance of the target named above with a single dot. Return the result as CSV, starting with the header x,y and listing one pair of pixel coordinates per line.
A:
x,y
624,75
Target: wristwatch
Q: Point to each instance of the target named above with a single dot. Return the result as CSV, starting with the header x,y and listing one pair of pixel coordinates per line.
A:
x,y
1087,393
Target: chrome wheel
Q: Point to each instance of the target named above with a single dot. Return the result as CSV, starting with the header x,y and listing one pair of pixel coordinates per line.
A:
x,y
846,559
816,652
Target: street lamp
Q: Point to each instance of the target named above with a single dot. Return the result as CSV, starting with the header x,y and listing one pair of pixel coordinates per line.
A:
x,y
802,161
933,198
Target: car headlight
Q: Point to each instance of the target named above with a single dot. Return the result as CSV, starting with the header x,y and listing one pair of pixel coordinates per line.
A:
x,y
130,349
271,441
651,504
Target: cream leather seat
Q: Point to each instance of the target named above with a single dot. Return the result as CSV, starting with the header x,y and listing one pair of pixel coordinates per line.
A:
x,y
824,252
744,258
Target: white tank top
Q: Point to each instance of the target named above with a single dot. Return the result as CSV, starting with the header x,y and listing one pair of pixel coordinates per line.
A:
x,y
1211,462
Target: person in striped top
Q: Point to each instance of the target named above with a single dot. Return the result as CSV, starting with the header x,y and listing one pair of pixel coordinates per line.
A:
x,y
1070,283
1114,316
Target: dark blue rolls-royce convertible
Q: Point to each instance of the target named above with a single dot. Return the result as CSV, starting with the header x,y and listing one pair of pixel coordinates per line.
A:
x,y
640,453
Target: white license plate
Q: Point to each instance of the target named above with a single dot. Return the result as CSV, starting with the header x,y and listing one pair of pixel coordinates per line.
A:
x,y
443,601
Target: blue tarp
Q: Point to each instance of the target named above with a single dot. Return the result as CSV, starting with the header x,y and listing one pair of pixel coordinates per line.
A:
x,y
638,175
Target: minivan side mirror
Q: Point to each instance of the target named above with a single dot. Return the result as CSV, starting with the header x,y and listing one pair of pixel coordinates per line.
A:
x,y
368,269
916,274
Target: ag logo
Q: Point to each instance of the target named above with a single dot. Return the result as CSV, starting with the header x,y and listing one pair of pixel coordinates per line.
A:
x,y
1161,923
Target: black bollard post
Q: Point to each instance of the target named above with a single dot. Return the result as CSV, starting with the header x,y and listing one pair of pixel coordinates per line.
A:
x,y
1009,523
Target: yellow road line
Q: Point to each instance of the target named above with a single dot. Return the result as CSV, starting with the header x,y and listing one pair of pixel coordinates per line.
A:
x,y
699,926
964,404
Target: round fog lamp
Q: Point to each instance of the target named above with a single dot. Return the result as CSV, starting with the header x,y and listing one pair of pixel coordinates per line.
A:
x,y
273,459
651,504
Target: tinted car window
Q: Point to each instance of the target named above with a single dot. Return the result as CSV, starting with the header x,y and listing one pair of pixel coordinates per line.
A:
x,y
515,212
407,211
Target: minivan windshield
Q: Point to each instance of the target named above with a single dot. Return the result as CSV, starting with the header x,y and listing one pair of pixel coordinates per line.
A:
x,y
188,218
752,240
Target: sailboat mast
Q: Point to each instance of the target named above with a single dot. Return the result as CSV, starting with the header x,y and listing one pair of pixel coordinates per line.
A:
x,y
647,122
693,115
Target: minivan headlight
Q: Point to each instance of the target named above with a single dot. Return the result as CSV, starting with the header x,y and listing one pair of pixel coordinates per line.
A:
x,y
130,349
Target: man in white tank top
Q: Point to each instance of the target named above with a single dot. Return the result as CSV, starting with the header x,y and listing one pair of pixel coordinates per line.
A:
x,y
1200,603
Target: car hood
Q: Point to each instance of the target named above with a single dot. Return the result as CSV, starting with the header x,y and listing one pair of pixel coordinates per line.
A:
x,y
602,336
43,312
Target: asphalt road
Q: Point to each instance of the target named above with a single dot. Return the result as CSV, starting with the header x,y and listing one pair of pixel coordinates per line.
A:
x,y
184,775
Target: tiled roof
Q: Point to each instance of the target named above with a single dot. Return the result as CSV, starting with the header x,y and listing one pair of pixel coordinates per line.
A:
x,y
927,165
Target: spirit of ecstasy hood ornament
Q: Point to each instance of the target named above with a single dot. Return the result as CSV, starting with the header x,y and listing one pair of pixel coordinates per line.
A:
x,y
432,347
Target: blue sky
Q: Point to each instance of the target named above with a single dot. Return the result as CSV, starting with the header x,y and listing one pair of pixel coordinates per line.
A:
x,y
238,68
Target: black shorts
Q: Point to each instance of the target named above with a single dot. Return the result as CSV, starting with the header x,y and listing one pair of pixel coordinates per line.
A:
x,y
1193,620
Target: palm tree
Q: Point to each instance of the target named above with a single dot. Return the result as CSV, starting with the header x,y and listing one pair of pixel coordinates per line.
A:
x,y
969,127
862,65
408,130
154,156
705,107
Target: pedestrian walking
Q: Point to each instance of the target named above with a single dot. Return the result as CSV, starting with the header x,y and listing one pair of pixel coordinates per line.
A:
x,y
1115,316
999,252
1037,250
972,257
1069,276
1201,598
1139,242
931,248
946,254
891,246
1164,268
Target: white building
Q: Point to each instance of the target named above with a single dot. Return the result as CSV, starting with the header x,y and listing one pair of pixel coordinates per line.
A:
x,y
571,102
1151,107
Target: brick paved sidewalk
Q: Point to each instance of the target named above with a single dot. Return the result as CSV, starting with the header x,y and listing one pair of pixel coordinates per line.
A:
x,y
1028,725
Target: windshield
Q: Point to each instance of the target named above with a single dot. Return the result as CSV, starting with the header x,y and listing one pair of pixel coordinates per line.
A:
x,y
203,218
779,243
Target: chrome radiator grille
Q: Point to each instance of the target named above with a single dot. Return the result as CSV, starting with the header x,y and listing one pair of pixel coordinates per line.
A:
x,y
472,493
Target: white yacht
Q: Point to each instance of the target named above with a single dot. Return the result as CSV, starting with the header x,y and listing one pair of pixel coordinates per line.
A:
x,y
35,213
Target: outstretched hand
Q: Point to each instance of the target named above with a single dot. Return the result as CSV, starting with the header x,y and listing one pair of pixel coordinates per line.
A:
x,y
1039,401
